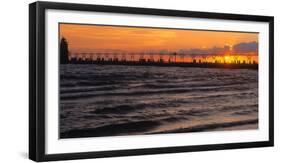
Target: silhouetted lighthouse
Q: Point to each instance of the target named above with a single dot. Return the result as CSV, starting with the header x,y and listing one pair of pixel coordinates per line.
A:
x,y
64,51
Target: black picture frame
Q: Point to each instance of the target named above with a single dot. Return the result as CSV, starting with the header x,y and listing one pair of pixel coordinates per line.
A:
x,y
37,80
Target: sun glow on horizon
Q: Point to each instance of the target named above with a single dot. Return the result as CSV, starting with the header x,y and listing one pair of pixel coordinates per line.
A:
x,y
227,58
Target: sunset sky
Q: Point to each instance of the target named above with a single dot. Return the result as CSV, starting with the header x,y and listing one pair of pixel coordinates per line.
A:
x,y
86,38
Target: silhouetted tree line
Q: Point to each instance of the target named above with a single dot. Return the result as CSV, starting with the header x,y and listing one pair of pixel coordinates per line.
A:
x,y
64,51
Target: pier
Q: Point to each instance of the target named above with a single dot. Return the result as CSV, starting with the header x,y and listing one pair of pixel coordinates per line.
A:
x,y
154,60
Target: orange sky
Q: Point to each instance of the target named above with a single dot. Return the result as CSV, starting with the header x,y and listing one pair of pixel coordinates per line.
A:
x,y
83,38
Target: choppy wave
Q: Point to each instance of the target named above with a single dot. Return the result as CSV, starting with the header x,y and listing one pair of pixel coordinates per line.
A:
x,y
108,100
113,129
207,127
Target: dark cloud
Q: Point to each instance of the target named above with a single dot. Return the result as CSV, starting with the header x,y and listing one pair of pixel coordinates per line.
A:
x,y
240,48
206,51
250,47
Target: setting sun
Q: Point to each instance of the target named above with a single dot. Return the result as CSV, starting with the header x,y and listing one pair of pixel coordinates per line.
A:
x,y
227,59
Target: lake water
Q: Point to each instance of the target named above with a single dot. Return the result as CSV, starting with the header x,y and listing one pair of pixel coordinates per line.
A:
x,y
111,100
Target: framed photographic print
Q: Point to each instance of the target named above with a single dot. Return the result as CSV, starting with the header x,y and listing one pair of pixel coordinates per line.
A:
x,y
118,81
